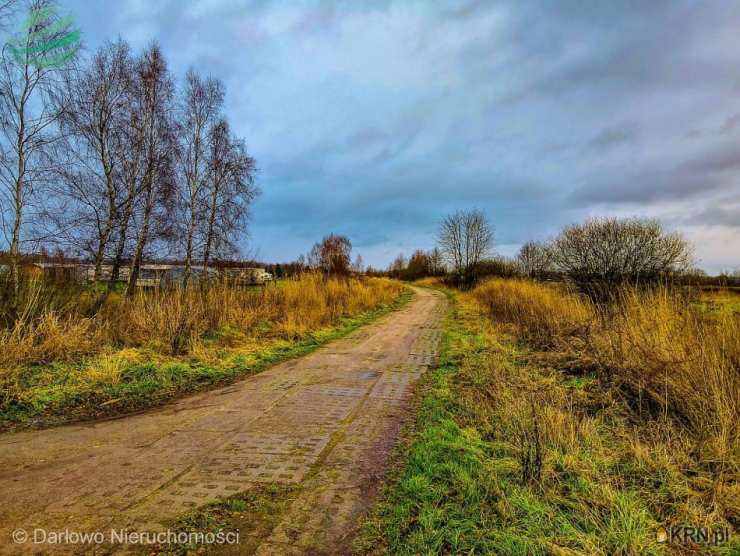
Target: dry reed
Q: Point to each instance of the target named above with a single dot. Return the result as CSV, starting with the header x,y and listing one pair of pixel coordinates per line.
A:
x,y
665,351
174,321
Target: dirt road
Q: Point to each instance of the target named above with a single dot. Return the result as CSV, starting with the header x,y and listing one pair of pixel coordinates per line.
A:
x,y
327,420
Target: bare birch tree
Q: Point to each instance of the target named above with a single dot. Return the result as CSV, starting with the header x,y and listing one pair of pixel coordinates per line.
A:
x,y
133,131
229,191
98,100
154,104
199,110
464,239
30,66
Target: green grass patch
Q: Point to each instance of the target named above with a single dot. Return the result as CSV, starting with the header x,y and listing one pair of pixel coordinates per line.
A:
x,y
719,301
459,486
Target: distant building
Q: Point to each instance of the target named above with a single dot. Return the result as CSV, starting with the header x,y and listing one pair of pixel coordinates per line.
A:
x,y
105,270
58,272
247,276
150,275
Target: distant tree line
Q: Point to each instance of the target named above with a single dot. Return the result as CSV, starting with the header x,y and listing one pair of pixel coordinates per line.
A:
x,y
598,251
112,158
419,265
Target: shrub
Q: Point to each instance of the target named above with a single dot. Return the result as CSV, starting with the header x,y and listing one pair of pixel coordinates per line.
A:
x,y
500,267
613,250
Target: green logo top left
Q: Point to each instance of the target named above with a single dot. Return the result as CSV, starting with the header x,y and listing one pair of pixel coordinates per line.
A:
x,y
46,40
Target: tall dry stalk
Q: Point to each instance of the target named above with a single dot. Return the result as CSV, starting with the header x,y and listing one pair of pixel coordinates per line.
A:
x,y
655,343
548,316
170,321
680,360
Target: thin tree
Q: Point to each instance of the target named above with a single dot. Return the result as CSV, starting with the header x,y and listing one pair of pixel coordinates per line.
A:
x,y
133,131
30,66
156,94
397,266
436,262
465,238
230,190
333,255
199,110
97,101
358,266
535,259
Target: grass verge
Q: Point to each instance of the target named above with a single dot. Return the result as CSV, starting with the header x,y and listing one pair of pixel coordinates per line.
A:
x,y
514,453
62,392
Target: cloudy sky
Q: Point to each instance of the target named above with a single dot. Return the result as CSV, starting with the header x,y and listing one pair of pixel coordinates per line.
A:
x,y
375,119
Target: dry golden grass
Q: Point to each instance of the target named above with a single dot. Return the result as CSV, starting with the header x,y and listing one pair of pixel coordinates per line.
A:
x,y
73,355
548,315
429,281
572,441
288,310
681,360
106,369
664,404
668,352
46,338
178,322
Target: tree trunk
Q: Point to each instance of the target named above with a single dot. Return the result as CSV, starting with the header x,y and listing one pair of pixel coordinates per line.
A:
x,y
211,226
189,252
194,187
108,229
123,233
102,243
14,253
141,241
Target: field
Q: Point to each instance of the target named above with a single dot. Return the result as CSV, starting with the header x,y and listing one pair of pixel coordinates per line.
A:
x,y
67,358
720,300
557,426
553,424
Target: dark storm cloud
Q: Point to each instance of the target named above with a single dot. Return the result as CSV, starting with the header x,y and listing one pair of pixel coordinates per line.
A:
x,y
647,187
376,118
718,216
614,136
698,176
